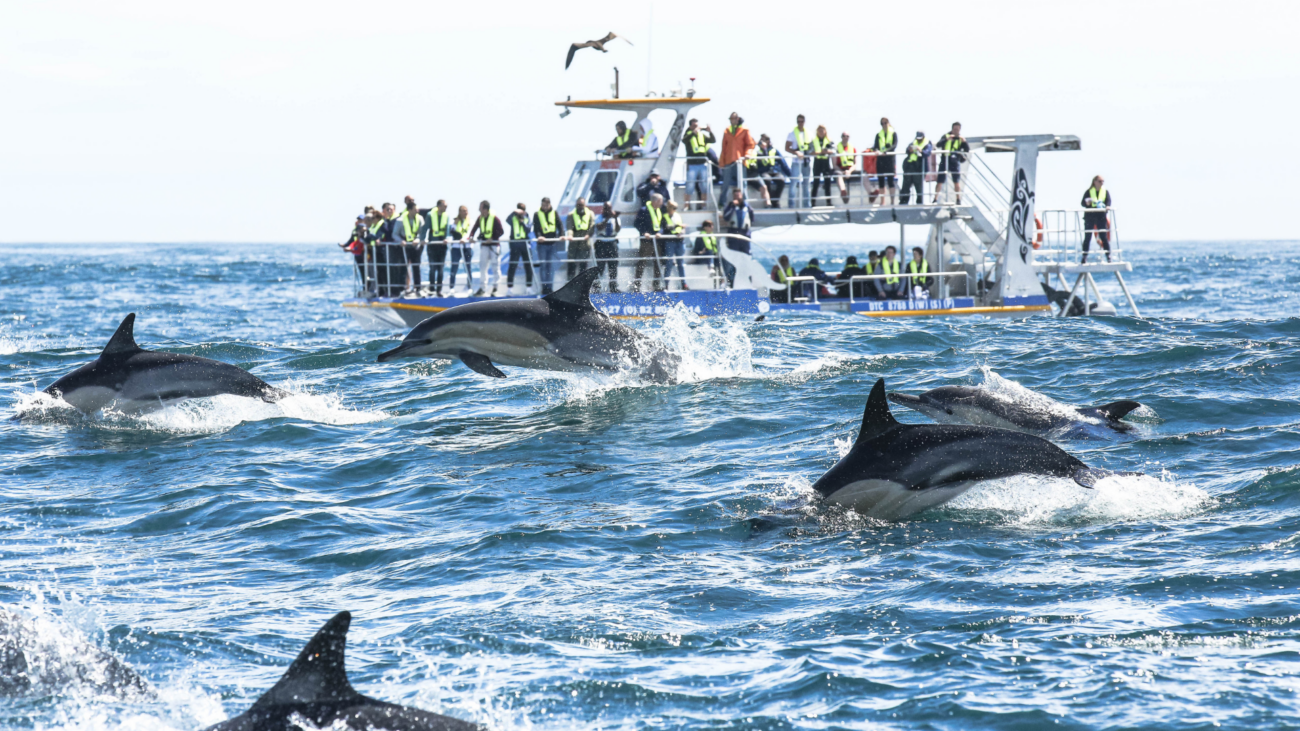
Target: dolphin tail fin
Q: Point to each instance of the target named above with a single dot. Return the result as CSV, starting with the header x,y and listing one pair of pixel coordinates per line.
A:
x,y
272,394
123,341
1055,296
1116,410
480,364
577,292
1088,477
318,675
876,419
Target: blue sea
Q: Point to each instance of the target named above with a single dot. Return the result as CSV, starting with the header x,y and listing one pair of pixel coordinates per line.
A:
x,y
552,551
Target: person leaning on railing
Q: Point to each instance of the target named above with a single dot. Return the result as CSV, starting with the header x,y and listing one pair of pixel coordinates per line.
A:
x,y
649,222
952,153
623,142
1097,200
697,143
814,270
919,265
822,174
846,158
461,248
767,170
388,255
886,143
915,164
606,245
737,218
439,228
843,280
520,227
488,230
582,224
413,233
706,250
356,246
672,245
546,227
798,143
781,273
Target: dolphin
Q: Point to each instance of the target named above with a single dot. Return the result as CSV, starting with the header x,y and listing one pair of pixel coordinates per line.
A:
x,y
562,331
45,659
1058,297
315,690
135,380
895,470
966,405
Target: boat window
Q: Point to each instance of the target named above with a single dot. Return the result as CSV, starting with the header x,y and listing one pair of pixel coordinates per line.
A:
x,y
577,183
629,188
602,187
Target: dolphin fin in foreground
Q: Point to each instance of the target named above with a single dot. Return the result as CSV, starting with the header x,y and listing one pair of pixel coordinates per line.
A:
x,y
480,364
315,688
122,343
1114,411
876,418
577,292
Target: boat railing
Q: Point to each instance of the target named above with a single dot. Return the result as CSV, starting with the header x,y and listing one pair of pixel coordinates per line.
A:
x,y
941,276
1059,241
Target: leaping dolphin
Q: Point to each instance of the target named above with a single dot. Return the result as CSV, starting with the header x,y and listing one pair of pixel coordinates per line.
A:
x,y
966,405
134,380
895,470
315,689
562,331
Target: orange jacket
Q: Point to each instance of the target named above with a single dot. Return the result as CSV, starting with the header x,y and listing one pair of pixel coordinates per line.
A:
x,y
735,145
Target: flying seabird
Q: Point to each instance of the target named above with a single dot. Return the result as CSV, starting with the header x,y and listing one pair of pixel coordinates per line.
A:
x,y
599,45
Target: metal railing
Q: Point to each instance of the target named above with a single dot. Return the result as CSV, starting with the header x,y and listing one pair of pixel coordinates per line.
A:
x,y
941,276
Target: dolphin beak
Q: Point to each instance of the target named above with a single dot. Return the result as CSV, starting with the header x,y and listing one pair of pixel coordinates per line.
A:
x,y
903,399
398,352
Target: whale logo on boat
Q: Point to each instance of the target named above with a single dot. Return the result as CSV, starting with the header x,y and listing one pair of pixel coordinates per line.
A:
x,y
562,331
315,690
980,406
1022,208
895,470
134,380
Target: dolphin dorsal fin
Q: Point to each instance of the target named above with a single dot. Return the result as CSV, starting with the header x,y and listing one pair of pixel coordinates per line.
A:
x,y
876,419
318,674
577,292
123,341
1116,410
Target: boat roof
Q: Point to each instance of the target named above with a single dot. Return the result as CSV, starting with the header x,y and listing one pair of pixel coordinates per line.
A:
x,y
642,105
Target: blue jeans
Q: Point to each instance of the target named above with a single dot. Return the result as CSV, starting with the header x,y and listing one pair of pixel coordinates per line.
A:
x,y
697,180
546,256
457,253
730,179
674,252
800,180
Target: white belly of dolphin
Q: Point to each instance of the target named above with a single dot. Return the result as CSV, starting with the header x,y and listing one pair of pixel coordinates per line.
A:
x,y
511,345
888,500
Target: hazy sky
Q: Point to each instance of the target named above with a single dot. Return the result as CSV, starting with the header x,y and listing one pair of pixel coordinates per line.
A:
x,y
276,122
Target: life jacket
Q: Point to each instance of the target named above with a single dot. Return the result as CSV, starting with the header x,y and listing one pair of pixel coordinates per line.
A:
x,y
819,146
518,229
675,225
763,160
924,268
846,154
485,227
656,216
546,222
461,226
411,227
437,224
918,147
710,242
784,274
886,269
800,143
1097,198
374,230
582,222
953,144
695,141
885,139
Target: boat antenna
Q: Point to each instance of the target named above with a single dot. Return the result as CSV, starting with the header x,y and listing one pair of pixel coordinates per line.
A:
x,y
615,82
650,47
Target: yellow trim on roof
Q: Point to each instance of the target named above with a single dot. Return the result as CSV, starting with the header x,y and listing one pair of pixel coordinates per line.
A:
x,y
649,100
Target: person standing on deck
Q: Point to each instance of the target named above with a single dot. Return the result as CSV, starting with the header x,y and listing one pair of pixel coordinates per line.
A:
x,y
738,219
649,222
697,143
797,143
546,227
520,227
1096,199
488,230
846,158
389,259
673,245
737,144
439,227
886,143
623,142
460,249
914,164
648,142
412,230
706,250
606,245
821,165
653,184
952,147
582,224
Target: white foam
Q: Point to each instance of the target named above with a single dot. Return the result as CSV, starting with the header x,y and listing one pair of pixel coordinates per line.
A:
x,y
1031,499
1013,392
12,342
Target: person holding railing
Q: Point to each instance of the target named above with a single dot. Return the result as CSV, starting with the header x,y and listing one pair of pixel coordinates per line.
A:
x,y
916,268
606,245
1096,199
520,229
649,222
439,224
738,217
582,224
623,142
886,143
846,157
737,144
672,244
460,249
697,143
706,250
781,273
891,287
814,270
844,280
389,261
821,169
488,230
412,229
797,143
356,246
914,169
546,227
374,225
768,169
953,148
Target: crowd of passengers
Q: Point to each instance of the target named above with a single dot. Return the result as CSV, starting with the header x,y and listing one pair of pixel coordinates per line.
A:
x,y
811,163
892,280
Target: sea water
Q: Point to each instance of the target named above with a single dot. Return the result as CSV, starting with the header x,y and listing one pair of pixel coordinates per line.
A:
x,y
554,551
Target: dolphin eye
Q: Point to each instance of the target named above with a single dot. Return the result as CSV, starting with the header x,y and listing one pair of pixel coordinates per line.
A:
x,y
949,410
